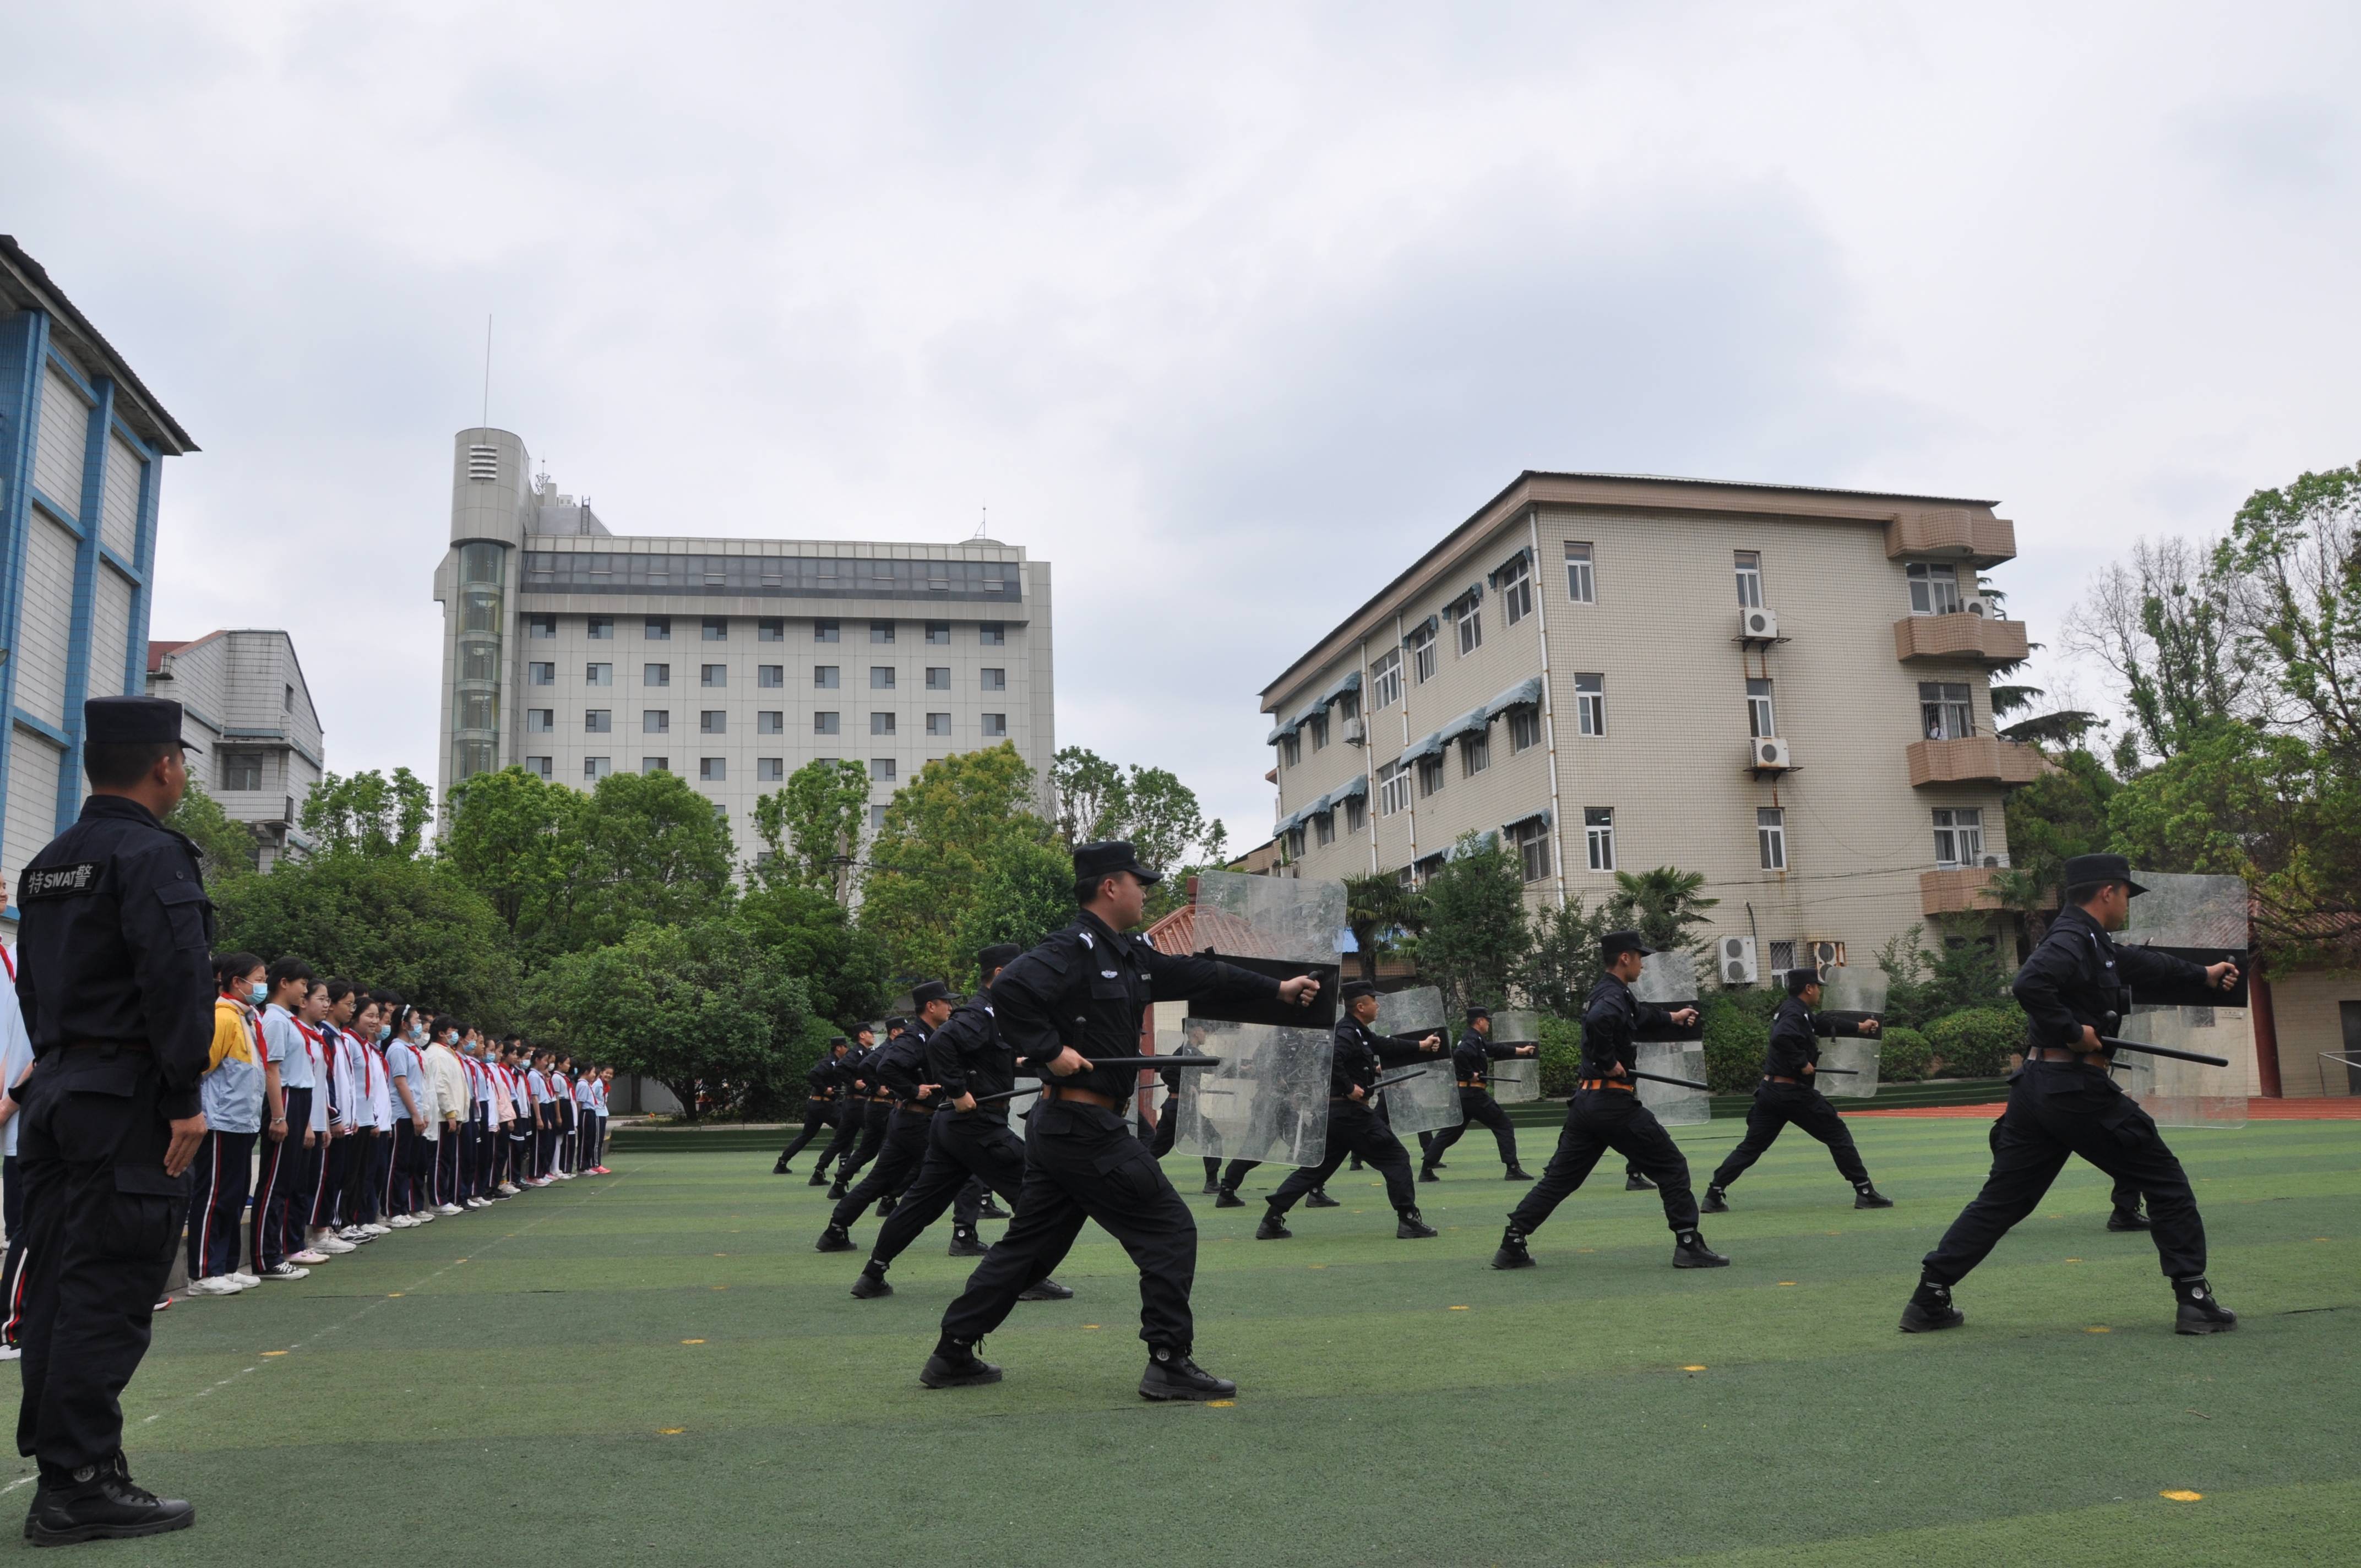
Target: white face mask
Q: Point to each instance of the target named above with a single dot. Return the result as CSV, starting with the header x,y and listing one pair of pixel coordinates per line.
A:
x,y
383,1030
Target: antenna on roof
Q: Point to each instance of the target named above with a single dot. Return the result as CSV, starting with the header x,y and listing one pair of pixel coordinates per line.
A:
x,y
488,370
980,525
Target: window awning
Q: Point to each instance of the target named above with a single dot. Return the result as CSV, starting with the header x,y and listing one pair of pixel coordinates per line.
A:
x,y
1419,750
1542,817
1283,731
1524,694
1469,598
1481,842
1352,791
1430,626
1471,722
1287,825
1350,682
1524,552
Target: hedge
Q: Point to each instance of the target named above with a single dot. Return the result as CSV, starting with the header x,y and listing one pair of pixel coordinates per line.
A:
x,y
1902,1055
1975,1042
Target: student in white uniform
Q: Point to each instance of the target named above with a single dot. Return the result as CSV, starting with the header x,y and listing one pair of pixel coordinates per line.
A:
x,y
287,1103
231,1094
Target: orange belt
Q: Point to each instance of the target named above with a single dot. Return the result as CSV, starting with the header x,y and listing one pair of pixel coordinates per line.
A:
x,y
1604,1083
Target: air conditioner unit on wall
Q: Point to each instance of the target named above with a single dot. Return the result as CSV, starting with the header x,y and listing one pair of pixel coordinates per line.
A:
x,y
1356,733
1737,961
1826,956
1760,625
1976,606
1769,751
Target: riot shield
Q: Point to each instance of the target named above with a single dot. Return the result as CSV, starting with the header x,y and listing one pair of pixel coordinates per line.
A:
x,y
2201,918
1429,1101
1669,980
1268,1100
1861,1056
1516,1079
2186,1094
1675,1106
1413,1014
1280,926
1848,998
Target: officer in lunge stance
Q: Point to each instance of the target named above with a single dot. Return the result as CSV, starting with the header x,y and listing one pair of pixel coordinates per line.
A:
x,y
1359,1059
876,1101
1606,1114
1788,1095
1082,993
1471,1064
899,1070
2075,987
819,1106
850,1104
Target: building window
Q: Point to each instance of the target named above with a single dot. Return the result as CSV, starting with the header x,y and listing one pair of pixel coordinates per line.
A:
x,y
1516,589
712,770
1475,754
990,633
881,631
713,674
771,629
769,769
1430,777
541,673
602,629
1385,680
1291,750
939,678
241,770
599,721
540,767
995,724
1944,711
1357,812
1771,836
1581,584
541,721
1782,956
771,721
1532,838
598,674
1295,843
1934,588
1423,871
713,721
287,702
655,764
1749,564
825,724
882,769
881,724
826,677
1590,704
771,675
596,767
717,629
939,633
825,632
659,629
655,674
540,626
876,819
880,677
1421,653
1525,729
1761,722
1323,828
938,724
1958,835
1471,629
1393,789
1598,835
996,680
655,721
1348,705
1318,725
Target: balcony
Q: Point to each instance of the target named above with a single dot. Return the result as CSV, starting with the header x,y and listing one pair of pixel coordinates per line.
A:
x,y
1958,636
1962,892
1951,534
1975,759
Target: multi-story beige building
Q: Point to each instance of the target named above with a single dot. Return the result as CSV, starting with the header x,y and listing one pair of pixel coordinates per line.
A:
x,y
730,662
1785,689
245,700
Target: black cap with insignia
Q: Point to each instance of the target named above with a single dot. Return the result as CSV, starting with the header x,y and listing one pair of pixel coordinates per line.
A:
x,y
133,721
1094,861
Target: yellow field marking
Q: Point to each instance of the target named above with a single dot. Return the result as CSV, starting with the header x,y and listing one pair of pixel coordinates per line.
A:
x,y
2179,1496
1458,1309
692,1342
1220,1404
1696,1368
670,1431
274,1353
2098,1329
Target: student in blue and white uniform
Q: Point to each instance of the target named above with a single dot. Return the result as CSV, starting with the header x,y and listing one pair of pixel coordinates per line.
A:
x,y
231,1095
286,1099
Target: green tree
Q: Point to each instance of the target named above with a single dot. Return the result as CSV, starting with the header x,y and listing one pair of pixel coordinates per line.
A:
x,y
927,863
1025,892
226,847
2059,815
1150,808
508,838
647,849
369,813
1665,906
1476,938
804,932
2296,552
1384,913
1091,796
1564,962
811,830
1961,971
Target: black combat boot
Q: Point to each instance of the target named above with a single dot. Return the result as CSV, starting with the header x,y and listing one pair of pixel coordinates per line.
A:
x,y
1930,1309
1635,1182
1426,1173
2201,1312
1865,1196
1689,1251
836,1238
2128,1219
886,1207
819,1178
1516,1173
1409,1227
1212,1184
871,1283
1714,1201
967,1243
1046,1291
954,1365
837,1190
780,1168
1318,1199
1273,1227
1356,1162
1171,1374
991,1210
99,1502
1513,1253
1228,1200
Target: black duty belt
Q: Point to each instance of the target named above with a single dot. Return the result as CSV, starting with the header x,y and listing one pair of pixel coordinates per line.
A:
x,y
109,1048
1774,1078
2060,1054
1471,1083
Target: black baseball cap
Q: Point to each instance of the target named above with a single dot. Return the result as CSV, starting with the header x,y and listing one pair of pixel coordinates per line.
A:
x,y
928,991
1354,990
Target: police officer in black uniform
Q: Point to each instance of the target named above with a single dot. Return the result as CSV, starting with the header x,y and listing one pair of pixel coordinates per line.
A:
x,y
115,977
851,1106
1471,1063
877,1101
1787,1093
819,1108
2075,987
899,1070
1358,1058
1606,1114
1082,994
967,1142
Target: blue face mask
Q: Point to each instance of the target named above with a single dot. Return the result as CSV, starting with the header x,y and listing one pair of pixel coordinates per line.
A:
x,y
383,1030
258,993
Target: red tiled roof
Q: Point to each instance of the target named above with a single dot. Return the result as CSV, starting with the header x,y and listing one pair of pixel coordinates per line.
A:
x,y
156,652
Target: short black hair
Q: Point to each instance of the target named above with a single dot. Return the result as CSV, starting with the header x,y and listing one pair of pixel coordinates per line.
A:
x,y
2082,892
340,989
287,969
228,967
1087,888
119,765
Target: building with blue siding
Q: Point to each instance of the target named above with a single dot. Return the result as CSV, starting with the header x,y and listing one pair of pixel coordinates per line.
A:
x,y
81,448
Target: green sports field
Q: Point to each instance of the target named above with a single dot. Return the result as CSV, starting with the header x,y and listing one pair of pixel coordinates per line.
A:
x,y
655,1365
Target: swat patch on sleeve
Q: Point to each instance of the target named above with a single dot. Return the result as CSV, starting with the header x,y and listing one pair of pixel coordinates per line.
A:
x,y
57,882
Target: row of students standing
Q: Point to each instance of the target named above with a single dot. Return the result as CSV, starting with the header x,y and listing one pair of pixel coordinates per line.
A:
x,y
340,1114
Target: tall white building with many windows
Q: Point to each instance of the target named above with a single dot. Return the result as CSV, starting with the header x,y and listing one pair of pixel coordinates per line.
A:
x,y
576,652
1785,689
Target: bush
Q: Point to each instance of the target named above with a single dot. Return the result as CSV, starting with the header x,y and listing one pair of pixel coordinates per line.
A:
x,y
1902,1056
1736,1035
1975,1042
1561,1056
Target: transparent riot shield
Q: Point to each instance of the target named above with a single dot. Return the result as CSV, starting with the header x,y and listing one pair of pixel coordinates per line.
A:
x,y
1668,979
1675,1107
1858,1055
2186,1094
1268,1100
2181,911
1430,1101
1279,926
1848,996
1516,1079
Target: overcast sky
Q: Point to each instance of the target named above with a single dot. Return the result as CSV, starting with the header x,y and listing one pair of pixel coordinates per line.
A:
x,y
1228,313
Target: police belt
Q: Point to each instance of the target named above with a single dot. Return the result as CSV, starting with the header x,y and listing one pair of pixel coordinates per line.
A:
x,y
1087,1096
1476,1084
1774,1078
112,1049
1606,1083
886,1098
2061,1054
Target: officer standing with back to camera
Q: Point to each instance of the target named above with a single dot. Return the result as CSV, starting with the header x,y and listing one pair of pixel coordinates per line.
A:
x,y
2075,987
1082,994
1471,1064
117,984
1789,1093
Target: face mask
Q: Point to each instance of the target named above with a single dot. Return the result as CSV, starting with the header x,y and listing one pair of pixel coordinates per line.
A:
x,y
383,1030
257,992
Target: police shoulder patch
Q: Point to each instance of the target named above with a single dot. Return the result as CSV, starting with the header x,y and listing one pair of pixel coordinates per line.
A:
x,y
57,882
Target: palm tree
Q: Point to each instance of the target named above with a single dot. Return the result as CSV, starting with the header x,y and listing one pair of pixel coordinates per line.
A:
x,y
1663,904
1380,908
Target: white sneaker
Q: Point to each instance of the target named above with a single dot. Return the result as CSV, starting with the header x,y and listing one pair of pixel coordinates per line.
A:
x,y
424,1216
357,1234
307,1258
9,1353
218,1285
286,1271
448,1208
402,1222
332,1245
509,1188
246,1280
375,1229
472,1204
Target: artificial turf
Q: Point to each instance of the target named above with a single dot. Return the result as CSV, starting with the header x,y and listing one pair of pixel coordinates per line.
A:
x,y
656,1365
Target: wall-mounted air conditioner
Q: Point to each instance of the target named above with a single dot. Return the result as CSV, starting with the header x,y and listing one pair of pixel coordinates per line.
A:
x,y
1758,625
1356,733
1826,956
1737,961
1768,752
1976,606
